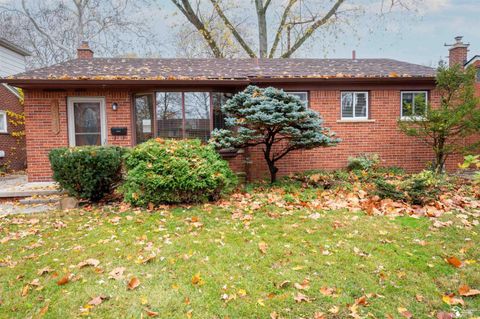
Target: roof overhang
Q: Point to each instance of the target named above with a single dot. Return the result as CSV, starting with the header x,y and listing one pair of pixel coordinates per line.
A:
x,y
125,83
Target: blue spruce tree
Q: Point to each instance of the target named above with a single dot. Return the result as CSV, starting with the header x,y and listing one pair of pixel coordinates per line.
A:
x,y
271,118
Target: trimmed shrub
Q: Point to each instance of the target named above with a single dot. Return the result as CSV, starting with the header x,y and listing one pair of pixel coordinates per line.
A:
x,y
364,162
87,172
171,172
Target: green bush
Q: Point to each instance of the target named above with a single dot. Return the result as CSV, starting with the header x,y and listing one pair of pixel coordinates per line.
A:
x,y
87,172
364,162
418,189
169,171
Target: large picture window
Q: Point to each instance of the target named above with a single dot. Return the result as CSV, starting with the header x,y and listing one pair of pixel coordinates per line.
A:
x,y
179,114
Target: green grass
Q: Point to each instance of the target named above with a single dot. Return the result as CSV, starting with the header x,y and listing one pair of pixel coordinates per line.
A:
x,y
224,251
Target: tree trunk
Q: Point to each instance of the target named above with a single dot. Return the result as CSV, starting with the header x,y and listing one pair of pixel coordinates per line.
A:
x,y
440,157
273,172
262,29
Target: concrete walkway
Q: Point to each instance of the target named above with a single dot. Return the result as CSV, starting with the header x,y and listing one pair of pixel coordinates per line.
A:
x,y
18,196
18,186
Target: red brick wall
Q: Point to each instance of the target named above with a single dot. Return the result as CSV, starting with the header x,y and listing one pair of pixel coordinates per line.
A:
x,y
38,124
380,135
14,147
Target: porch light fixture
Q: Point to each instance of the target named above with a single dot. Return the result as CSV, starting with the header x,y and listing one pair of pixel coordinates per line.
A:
x,y
114,106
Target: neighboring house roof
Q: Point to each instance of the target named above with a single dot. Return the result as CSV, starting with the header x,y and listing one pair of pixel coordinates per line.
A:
x,y
224,69
15,48
473,60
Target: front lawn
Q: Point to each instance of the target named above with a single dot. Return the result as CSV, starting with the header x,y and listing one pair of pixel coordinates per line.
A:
x,y
269,253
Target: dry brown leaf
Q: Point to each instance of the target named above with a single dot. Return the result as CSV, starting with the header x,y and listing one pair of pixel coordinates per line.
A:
x,y
89,262
454,261
151,313
44,271
450,299
445,315
116,273
263,247
25,290
133,283
466,291
304,285
404,312
284,284
301,298
43,311
98,300
327,291
197,280
419,298
64,280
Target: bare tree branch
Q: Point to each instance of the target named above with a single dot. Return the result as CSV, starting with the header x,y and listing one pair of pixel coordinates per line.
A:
x,y
234,31
308,33
280,28
188,12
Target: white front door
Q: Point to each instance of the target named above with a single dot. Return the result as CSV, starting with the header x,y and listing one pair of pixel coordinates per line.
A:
x,y
87,121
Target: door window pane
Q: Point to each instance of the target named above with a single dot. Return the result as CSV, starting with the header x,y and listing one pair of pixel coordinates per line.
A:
x,y
169,115
144,117
197,115
87,123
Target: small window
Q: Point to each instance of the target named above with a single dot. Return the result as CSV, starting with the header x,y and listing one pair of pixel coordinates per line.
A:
x,y
354,105
303,96
3,122
414,104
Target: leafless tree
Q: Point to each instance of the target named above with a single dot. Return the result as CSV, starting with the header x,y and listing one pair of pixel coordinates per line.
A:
x,y
52,30
282,26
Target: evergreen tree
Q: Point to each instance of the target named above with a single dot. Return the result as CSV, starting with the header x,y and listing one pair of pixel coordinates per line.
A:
x,y
273,119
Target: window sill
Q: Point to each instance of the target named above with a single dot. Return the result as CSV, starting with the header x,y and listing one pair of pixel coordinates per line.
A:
x,y
355,121
412,118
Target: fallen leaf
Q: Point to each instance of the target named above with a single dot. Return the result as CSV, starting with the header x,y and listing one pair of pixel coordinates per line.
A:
x,y
284,284
445,315
64,280
419,298
466,291
25,290
404,312
197,280
334,310
43,311
133,283
98,300
116,273
89,262
301,298
263,247
326,291
450,299
151,313
304,285
44,271
454,261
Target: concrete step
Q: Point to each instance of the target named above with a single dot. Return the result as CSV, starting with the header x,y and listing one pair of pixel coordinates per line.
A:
x,y
40,200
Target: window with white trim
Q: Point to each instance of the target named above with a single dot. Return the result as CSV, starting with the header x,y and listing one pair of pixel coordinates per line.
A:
x,y
3,122
303,96
354,105
414,104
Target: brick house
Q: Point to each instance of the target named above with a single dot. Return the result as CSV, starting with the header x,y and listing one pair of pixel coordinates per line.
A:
x,y
12,143
123,101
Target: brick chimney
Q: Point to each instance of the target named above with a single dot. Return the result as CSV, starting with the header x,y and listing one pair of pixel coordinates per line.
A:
x,y
458,52
84,52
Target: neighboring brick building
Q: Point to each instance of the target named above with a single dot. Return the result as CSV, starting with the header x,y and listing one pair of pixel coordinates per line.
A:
x,y
126,101
12,142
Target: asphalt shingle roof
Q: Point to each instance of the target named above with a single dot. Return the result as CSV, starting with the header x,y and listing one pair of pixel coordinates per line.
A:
x,y
214,69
